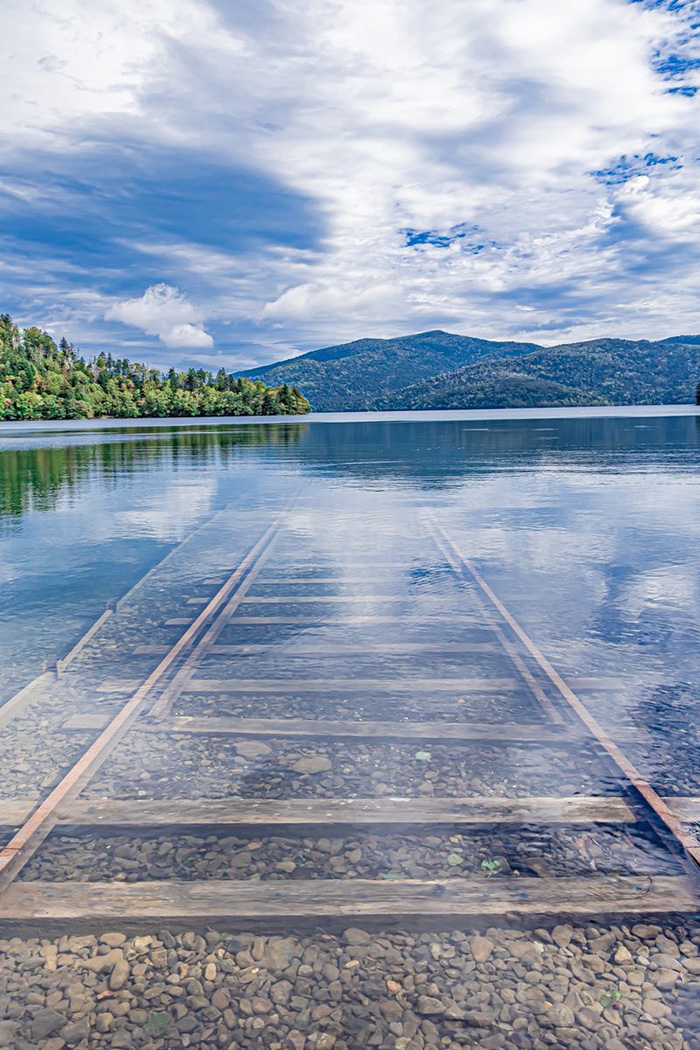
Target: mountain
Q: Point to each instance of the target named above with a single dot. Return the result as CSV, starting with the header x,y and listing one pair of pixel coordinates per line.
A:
x,y
598,372
440,370
356,376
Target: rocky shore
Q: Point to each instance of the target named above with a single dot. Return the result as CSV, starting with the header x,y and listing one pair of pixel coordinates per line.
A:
x,y
577,986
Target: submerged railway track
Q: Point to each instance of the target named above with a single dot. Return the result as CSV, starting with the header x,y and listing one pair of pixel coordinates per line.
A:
x,y
335,694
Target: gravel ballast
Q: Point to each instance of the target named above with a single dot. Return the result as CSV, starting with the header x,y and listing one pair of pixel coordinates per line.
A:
x,y
435,854
147,765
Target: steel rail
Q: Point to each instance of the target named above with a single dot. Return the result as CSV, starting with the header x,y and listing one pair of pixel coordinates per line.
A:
x,y
508,647
687,840
163,705
39,824
19,701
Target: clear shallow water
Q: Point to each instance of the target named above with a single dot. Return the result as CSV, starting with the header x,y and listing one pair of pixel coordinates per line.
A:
x,y
589,524
586,527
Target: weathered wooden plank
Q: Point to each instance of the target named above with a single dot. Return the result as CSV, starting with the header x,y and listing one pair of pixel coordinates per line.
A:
x,y
327,685
575,809
271,581
338,620
600,684
313,728
327,599
321,649
464,732
365,565
300,727
349,899
630,735
178,621
686,807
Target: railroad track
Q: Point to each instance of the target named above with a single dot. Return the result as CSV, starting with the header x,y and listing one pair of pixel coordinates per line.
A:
x,y
373,701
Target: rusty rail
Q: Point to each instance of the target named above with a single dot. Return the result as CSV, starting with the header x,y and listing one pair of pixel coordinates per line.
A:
x,y
33,832
457,559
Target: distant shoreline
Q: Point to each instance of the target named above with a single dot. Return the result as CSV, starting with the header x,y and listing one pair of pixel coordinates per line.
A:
x,y
404,416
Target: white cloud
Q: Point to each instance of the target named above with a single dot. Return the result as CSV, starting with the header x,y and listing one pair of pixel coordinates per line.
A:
x,y
163,311
390,117
84,63
669,212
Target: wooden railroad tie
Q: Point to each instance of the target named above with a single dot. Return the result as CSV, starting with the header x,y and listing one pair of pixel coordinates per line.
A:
x,y
320,813
218,903
316,728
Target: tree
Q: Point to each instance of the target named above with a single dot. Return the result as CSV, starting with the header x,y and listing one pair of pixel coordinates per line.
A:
x,y
39,380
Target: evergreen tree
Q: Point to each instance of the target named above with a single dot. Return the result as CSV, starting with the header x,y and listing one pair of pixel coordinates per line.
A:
x,y
39,380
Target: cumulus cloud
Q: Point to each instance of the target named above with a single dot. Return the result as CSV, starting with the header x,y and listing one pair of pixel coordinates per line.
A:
x,y
163,311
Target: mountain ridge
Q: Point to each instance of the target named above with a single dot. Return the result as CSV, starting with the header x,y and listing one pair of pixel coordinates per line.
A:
x,y
437,369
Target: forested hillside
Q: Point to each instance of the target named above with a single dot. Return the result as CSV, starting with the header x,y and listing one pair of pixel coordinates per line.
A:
x,y
439,370
39,380
357,376
599,372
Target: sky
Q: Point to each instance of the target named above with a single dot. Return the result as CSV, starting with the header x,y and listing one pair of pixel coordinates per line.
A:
x,y
231,183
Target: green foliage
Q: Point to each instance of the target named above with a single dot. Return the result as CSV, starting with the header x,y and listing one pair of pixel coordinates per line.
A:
x,y
157,1025
39,380
599,372
490,867
436,370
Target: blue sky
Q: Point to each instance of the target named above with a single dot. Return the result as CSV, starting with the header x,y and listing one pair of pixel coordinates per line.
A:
x,y
228,184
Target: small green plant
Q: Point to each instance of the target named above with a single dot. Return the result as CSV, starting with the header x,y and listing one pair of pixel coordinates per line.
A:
x,y
608,998
393,875
157,1025
491,867
423,756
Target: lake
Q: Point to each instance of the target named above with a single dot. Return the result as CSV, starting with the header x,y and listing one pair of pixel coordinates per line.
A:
x,y
427,671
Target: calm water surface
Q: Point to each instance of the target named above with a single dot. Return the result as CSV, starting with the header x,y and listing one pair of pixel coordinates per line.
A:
x,y
585,527
589,526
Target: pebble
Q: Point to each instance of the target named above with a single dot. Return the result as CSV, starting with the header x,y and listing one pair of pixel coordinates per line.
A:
x,y
213,767
476,854
500,989
252,749
482,948
561,935
119,975
429,1005
560,1016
